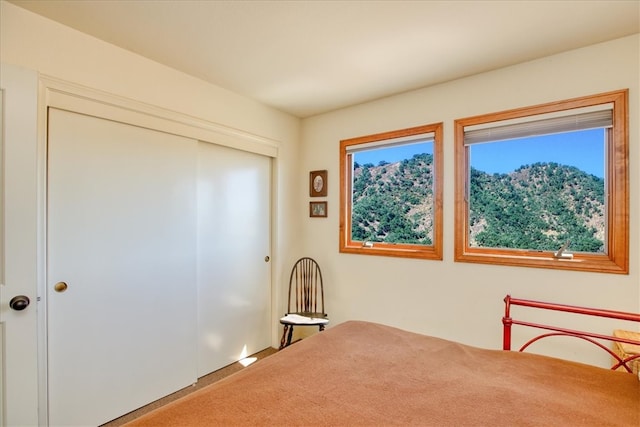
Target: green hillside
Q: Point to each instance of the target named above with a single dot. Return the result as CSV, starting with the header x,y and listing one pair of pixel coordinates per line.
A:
x,y
393,202
536,207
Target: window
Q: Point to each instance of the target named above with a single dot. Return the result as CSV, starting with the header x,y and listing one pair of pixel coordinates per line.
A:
x,y
391,193
545,186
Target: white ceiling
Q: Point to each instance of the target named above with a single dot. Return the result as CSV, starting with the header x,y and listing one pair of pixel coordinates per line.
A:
x,y
309,57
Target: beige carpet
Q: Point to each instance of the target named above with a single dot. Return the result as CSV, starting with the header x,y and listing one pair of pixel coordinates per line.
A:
x,y
202,382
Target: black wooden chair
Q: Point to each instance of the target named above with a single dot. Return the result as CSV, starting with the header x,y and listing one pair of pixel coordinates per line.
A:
x,y
305,306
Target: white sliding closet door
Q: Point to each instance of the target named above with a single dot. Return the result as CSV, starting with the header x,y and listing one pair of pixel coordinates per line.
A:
x,y
122,237
234,283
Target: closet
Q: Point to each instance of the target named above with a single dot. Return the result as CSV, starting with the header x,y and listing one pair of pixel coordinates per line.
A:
x,y
157,263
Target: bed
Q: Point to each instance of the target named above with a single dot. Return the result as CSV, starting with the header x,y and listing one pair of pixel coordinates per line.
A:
x,y
363,373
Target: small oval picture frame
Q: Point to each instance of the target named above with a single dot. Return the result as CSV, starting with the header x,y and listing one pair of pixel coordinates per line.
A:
x,y
318,183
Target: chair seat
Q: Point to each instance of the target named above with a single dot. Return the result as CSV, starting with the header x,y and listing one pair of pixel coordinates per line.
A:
x,y
304,319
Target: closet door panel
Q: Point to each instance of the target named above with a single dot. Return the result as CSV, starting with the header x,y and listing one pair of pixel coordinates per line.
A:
x,y
234,287
121,267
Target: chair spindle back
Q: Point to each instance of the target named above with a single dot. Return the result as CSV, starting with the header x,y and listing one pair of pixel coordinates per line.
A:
x,y
306,285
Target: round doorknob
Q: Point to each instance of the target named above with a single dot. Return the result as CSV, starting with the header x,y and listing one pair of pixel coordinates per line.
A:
x,y
19,302
60,286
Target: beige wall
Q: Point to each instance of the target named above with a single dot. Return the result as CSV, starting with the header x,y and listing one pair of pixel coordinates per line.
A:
x,y
463,301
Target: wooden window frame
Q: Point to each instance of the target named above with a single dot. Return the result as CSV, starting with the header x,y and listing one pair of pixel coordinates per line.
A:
x,y
432,252
616,260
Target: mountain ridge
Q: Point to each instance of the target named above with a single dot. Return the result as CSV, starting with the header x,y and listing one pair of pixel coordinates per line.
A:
x,y
535,207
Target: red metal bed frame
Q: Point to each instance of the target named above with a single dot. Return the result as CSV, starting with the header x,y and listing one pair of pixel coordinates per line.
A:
x,y
508,321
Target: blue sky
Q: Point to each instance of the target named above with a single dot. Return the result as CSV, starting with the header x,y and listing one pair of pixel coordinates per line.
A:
x,y
393,154
583,149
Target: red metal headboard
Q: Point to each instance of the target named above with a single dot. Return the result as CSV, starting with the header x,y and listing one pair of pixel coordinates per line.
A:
x,y
507,321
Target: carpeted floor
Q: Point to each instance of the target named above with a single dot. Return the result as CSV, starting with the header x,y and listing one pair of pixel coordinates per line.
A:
x,y
202,382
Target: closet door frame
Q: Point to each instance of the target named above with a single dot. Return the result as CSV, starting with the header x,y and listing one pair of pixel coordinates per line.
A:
x,y
63,95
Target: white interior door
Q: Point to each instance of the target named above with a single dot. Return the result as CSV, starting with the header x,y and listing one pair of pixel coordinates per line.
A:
x,y
234,278
18,328
122,239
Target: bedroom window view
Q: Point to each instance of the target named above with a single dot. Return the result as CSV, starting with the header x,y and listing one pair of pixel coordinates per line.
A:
x,y
539,193
545,186
391,196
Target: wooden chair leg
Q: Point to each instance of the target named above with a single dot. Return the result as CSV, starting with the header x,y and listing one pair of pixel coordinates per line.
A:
x,y
290,335
284,335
